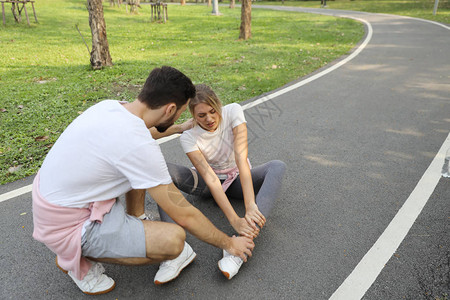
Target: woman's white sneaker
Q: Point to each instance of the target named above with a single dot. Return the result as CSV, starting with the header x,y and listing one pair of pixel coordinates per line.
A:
x,y
170,269
229,264
94,282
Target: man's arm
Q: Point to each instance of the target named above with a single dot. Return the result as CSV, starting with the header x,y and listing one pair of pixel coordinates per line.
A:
x,y
184,214
175,128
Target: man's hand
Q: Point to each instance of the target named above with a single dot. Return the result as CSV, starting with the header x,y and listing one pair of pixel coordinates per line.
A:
x,y
176,128
254,217
244,228
241,246
186,125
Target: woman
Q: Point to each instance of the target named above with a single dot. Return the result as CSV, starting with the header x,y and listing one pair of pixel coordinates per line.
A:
x,y
217,147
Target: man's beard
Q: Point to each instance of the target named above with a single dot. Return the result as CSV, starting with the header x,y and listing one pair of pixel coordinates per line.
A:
x,y
164,126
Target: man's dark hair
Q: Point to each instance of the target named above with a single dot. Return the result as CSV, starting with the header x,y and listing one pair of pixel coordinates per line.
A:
x,y
166,85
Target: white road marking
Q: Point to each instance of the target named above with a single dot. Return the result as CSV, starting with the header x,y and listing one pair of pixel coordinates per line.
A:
x,y
15,193
318,75
371,265
418,19
368,269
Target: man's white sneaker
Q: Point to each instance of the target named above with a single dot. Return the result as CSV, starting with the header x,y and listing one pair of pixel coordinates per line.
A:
x,y
229,264
144,217
170,269
95,282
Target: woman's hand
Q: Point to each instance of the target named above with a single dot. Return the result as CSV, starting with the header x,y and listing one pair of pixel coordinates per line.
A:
x,y
254,217
244,228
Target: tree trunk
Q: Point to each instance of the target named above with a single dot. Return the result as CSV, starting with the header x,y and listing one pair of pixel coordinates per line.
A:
x,y
183,2
232,3
100,56
215,8
246,20
209,3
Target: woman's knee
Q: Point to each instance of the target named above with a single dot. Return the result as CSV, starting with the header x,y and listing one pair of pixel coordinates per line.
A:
x,y
278,165
177,173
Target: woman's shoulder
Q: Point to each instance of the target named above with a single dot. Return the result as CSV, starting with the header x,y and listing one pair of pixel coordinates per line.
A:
x,y
233,114
231,110
232,106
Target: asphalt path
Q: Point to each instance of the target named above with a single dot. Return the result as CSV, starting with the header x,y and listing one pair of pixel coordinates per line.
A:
x,y
359,141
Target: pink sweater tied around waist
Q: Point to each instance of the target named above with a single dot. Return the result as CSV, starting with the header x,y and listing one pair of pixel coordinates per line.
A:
x,y
59,228
232,174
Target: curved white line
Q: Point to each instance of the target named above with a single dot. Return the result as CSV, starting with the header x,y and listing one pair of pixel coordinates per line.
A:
x,y
366,272
418,19
370,266
320,74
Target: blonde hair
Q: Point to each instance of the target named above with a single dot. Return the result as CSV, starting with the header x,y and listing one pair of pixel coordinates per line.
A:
x,y
205,94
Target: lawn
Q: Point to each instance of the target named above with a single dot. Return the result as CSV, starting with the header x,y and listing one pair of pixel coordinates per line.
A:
x,y
412,8
46,80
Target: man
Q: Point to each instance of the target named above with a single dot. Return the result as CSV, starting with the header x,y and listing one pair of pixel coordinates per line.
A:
x,y
104,153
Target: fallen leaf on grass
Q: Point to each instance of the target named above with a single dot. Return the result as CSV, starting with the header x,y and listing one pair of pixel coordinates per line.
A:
x,y
41,138
14,169
3,110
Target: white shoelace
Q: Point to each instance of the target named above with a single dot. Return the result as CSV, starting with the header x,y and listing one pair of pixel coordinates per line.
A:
x,y
94,274
235,259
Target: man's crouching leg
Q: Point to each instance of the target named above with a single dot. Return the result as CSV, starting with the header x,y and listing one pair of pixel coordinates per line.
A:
x,y
134,242
170,249
163,241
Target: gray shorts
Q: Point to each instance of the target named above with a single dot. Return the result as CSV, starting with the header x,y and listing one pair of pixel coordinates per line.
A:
x,y
118,236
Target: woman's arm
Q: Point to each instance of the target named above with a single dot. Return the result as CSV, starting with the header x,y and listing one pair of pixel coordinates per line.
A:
x,y
175,128
252,215
215,187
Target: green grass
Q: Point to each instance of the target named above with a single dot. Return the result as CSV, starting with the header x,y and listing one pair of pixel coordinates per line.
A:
x,y
46,80
412,8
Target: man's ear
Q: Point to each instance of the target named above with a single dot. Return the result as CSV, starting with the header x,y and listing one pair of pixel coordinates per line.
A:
x,y
171,109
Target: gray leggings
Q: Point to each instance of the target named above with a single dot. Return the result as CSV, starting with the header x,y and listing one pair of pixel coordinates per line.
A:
x,y
266,183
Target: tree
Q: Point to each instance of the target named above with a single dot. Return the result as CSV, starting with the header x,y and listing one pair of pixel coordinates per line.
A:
x,y
246,20
100,56
232,3
215,8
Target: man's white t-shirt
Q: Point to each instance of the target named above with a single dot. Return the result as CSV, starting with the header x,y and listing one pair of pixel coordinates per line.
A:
x,y
218,146
102,154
